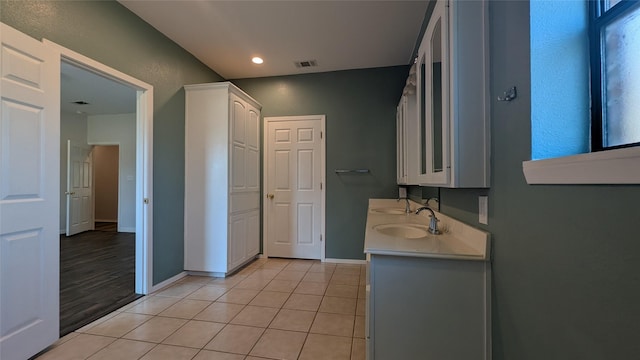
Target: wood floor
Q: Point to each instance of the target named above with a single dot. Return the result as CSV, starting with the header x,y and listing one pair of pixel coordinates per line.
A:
x,y
97,275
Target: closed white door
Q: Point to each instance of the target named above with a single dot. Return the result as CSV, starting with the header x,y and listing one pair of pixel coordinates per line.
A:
x,y
29,195
80,216
294,187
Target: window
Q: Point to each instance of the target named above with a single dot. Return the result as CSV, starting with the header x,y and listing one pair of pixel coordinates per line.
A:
x,y
615,74
567,89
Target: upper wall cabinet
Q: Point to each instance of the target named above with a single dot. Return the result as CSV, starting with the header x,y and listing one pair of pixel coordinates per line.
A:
x,y
406,125
452,141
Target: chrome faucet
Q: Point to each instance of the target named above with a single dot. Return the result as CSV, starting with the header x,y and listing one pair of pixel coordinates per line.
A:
x,y
407,206
433,223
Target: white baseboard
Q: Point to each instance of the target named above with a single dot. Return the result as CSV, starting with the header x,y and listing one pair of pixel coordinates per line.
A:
x,y
167,282
127,229
345,261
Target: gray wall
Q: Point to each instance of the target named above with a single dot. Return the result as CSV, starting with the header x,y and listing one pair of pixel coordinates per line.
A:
x,y
107,32
566,260
360,107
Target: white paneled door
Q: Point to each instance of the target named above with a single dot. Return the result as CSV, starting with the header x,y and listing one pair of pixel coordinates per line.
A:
x,y
29,195
294,187
80,215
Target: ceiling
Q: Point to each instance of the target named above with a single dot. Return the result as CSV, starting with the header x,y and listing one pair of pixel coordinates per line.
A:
x,y
104,96
338,35
224,35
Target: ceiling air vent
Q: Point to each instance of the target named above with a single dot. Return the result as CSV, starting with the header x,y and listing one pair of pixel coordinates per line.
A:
x,y
306,63
80,102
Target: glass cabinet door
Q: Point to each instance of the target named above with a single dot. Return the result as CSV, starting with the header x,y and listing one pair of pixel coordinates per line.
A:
x,y
434,97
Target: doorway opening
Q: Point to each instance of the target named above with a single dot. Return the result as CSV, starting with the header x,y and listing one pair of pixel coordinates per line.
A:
x,y
105,129
106,185
97,263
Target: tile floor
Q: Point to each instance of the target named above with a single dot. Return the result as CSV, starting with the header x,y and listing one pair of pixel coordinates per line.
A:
x,y
271,309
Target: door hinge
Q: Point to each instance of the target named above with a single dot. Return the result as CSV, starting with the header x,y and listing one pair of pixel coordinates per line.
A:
x,y
320,134
320,237
320,186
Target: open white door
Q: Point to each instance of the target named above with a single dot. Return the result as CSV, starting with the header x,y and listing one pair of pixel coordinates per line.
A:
x,y
29,198
294,177
79,193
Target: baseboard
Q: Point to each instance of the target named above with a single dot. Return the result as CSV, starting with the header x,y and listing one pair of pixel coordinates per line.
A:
x,y
127,229
207,273
345,261
167,282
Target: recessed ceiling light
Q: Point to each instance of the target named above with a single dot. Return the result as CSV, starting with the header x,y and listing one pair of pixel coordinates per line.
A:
x,y
257,60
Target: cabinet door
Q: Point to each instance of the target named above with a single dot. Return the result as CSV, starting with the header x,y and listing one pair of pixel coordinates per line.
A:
x,y
401,150
238,155
253,234
237,240
433,94
252,171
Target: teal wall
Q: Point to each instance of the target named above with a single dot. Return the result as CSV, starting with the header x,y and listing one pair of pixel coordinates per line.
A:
x,y
109,33
566,259
360,108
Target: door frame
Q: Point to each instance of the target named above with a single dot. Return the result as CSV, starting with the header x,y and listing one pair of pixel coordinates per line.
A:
x,y
144,158
323,175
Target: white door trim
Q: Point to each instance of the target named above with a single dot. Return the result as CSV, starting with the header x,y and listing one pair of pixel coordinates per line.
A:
x,y
323,155
144,157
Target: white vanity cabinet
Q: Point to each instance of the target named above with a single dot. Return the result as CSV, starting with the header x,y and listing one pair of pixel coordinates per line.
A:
x,y
427,297
453,97
428,308
222,184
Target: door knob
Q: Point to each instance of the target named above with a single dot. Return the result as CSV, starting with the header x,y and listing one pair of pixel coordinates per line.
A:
x,y
270,196
70,193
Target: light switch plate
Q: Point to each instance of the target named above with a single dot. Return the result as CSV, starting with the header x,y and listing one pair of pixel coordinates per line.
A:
x,y
483,210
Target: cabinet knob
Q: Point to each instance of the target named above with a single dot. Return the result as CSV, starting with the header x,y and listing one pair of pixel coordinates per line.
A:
x,y
270,196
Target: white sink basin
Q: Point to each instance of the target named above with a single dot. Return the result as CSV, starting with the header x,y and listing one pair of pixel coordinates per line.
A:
x,y
389,210
407,231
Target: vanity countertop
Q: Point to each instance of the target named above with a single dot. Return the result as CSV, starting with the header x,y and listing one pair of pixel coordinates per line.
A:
x,y
458,240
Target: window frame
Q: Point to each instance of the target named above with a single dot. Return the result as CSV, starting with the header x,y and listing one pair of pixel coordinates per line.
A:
x,y
599,18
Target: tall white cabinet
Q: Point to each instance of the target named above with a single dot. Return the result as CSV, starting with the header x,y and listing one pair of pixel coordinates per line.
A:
x,y
222,178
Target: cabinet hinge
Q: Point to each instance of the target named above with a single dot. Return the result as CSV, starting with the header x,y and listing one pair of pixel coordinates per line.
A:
x,y
320,186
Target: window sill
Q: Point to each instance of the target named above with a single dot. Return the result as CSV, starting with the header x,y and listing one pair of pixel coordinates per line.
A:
x,y
619,166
